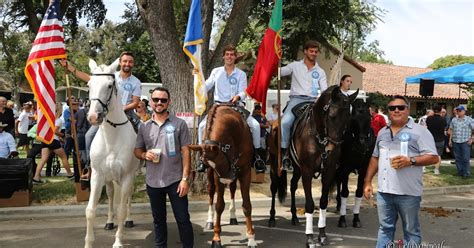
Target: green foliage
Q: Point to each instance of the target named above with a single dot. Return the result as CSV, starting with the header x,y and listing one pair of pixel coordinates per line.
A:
x,y
377,99
451,60
370,53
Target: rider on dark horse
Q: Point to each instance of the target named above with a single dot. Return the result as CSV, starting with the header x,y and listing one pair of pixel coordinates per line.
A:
x,y
307,81
230,83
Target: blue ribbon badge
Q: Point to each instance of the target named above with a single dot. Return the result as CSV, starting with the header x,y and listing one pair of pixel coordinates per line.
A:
x,y
315,86
404,138
169,129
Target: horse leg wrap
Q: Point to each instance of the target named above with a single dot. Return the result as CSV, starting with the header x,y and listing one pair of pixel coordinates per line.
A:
x,y
210,213
322,218
356,209
309,223
251,238
342,210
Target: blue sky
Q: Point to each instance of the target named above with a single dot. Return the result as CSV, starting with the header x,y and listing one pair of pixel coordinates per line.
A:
x,y
413,32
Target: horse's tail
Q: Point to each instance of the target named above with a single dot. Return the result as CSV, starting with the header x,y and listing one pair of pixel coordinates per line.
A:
x,y
282,182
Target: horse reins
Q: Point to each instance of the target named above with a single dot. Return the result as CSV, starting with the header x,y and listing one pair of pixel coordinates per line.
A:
x,y
224,148
105,105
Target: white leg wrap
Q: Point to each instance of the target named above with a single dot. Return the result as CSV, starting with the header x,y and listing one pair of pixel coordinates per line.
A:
x,y
322,218
342,211
210,214
251,238
358,200
309,223
232,209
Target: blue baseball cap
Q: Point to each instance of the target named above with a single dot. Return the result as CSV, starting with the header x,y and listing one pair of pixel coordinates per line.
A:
x,y
460,107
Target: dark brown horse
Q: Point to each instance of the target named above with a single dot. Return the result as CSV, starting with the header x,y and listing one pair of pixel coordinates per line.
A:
x,y
359,142
315,148
228,149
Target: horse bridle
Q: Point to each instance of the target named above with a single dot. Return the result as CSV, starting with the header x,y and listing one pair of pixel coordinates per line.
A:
x,y
225,148
105,106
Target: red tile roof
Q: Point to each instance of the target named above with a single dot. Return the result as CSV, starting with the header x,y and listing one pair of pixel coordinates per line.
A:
x,y
390,80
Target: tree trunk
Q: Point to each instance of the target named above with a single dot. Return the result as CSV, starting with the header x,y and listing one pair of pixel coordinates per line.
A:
x,y
33,22
174,70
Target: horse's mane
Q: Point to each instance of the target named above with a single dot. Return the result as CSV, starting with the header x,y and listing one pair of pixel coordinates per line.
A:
x,y
210,119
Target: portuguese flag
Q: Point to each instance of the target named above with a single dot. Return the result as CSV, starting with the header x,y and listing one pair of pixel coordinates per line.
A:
x,y
269,54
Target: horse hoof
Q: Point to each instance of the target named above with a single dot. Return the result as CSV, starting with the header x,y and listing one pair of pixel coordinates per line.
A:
x,y
356,224
109,226
129,224
323,240
209,226
295,221
271,223
342,222
233,221
216,244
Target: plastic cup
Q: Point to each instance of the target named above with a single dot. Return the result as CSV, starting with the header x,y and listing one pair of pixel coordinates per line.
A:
x,y
157,153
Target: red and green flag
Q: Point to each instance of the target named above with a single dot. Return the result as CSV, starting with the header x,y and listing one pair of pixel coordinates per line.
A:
x,y
269,54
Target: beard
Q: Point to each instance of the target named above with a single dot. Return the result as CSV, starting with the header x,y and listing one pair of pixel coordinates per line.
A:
x,y
126,69
163,110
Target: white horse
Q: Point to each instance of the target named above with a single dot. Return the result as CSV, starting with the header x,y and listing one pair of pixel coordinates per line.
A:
x,y
112,158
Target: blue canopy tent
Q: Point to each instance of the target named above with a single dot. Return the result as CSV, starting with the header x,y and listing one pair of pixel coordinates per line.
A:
x,y
459,74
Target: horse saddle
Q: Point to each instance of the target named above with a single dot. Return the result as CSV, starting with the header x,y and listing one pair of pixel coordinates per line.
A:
x,y
239,109
301,112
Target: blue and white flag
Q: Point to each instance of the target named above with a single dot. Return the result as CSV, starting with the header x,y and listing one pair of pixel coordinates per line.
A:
x,y
192,47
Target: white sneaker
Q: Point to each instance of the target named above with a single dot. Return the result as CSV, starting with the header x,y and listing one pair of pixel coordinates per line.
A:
x,y
436,171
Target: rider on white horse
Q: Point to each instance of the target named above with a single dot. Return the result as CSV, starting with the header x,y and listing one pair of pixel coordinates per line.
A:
x,y
230,83
129,91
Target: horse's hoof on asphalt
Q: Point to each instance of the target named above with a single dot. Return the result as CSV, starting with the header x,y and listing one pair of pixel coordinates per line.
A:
x,y
356,224
295,221
323,241
216,244
271,223
233,221
129,224
209,226
109,226
342,222
310,245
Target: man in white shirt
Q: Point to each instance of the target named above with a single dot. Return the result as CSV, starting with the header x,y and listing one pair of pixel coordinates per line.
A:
x,y
230,83
21,127
308,80
7,142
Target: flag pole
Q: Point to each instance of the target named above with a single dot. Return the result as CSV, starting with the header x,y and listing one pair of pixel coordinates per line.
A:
x,y
280,167
73,124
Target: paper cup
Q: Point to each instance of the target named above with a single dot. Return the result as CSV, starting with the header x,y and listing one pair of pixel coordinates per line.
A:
x,y
157,153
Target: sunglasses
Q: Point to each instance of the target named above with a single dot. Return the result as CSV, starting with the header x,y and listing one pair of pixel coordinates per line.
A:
x,y
157,100
399,107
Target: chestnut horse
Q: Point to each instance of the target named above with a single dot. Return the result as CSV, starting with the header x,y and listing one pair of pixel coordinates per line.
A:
x,y
359,142
211,189
315,148
228,149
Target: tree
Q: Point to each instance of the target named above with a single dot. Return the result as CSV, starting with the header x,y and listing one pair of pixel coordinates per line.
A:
x,y
451,60
371,53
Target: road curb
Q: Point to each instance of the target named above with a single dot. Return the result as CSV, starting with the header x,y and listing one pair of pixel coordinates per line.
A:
x,y
42,212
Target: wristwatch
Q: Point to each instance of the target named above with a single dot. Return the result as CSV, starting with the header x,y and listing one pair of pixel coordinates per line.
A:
x,y
412,161
185,179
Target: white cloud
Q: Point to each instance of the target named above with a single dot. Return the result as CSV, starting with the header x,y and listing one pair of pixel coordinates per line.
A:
x,y
417,32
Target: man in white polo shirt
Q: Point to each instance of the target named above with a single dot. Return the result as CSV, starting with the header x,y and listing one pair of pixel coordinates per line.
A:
x,y
308,80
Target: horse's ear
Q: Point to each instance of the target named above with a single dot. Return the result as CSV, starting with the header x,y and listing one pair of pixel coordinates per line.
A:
x,y
92,65
353,96
335,93
195,147
113,67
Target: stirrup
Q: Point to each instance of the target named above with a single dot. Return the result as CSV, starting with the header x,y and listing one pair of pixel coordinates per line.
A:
x,y
286,163
259,165
201,167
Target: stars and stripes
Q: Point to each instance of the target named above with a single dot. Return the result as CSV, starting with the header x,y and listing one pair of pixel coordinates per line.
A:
x,y
39,70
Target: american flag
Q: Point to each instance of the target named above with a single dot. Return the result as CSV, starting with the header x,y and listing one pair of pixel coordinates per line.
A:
x,y
39,70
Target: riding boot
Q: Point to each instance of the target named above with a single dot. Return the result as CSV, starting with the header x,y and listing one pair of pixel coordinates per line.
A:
x,y
285,161
201,167
259,162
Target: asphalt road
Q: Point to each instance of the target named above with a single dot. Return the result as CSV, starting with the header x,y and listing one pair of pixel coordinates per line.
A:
x,y
454,230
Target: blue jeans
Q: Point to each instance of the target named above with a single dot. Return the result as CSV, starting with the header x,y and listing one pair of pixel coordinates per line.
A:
x,y
288,118
389,206
462,154
180,209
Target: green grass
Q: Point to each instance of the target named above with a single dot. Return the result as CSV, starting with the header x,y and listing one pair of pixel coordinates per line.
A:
x,y
60,190
448,175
